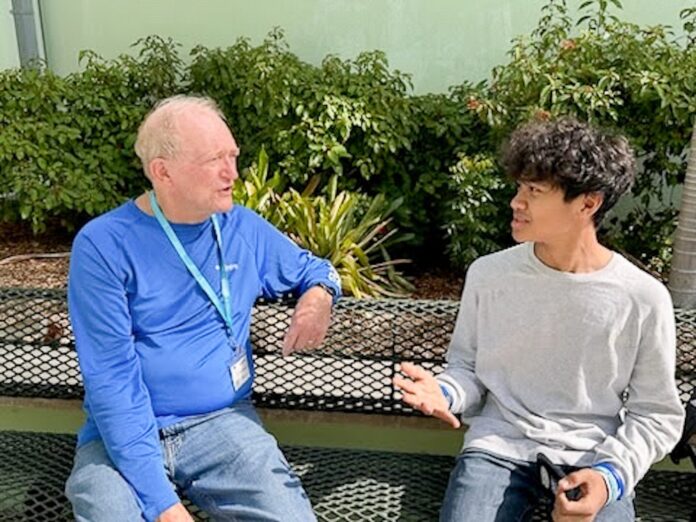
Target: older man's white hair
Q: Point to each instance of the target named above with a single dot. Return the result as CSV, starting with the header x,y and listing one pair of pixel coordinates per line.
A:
x,y
158,136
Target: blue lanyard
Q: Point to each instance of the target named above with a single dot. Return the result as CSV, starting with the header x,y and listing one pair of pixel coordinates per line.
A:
x,y
225,308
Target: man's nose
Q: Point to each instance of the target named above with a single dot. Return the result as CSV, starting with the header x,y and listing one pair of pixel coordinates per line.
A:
x,y
517,202
231,168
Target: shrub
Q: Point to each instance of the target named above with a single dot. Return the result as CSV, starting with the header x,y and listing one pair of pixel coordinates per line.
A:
x,y
350,230
477,216
66,150
347,117
446,129
257,191
330,227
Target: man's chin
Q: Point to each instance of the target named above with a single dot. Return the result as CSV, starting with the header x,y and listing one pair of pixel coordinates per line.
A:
x,y
519,237
225,206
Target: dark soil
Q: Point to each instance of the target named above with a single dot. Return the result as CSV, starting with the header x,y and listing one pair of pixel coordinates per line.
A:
x,y
437,284
42,272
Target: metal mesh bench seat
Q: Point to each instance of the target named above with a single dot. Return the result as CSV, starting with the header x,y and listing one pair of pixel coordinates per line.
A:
x,y
351,373
343,484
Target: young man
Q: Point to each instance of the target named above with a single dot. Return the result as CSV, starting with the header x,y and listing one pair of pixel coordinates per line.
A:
x,y
161,292
561,346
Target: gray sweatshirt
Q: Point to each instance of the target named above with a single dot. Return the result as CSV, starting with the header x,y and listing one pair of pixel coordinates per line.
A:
x,y
540,359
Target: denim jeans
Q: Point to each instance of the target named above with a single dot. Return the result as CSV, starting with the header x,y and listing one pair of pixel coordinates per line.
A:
x,y
224,462
487,488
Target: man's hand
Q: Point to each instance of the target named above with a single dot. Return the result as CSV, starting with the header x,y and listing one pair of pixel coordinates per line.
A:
x,y
176,513
594,496
423,393
309,322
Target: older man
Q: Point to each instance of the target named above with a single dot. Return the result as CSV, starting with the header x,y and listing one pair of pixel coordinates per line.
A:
x,y
160,292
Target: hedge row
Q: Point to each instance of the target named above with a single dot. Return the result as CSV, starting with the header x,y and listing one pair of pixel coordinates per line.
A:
x,y
66,142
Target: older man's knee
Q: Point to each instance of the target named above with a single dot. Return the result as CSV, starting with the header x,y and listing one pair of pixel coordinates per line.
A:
x,y
98,492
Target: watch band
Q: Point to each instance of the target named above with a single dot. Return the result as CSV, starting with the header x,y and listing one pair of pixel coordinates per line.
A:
x,y
328,289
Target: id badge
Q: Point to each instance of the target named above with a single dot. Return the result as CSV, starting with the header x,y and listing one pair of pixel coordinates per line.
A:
x,y
239,369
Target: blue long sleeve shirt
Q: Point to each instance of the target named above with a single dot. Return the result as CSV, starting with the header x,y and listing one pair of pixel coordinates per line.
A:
x,y
152,347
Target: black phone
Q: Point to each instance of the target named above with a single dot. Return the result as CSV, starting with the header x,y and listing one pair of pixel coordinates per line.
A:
x,y
551,474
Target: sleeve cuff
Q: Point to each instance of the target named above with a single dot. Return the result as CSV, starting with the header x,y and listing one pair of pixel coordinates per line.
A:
x,y
455,397
153,512
612,479
448,394
155,494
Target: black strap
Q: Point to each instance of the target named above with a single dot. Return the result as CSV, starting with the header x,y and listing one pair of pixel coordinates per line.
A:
x,y
683,449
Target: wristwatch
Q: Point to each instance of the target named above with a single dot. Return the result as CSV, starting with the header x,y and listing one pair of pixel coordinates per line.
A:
x,y
328,289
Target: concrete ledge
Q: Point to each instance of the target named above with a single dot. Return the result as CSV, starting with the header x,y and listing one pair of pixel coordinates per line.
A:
x,y
301,428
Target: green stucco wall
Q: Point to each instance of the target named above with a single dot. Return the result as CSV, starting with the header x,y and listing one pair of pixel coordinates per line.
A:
x,y
441,42
8,41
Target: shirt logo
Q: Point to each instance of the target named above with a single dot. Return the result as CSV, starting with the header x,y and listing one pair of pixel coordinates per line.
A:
x,y
334,277
231,267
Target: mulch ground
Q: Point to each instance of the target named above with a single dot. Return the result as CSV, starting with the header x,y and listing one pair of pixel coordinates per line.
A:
x,y
38,272
33,272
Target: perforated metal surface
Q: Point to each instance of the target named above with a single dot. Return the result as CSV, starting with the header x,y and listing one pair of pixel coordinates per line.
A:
x,y
354,369
343,484
37,354
352,372
686,352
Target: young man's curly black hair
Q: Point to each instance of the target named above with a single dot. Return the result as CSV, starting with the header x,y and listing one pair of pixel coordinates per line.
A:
x,y
573,156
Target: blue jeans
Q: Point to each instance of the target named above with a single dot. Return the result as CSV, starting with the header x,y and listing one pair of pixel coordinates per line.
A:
x,y
487,488
225,462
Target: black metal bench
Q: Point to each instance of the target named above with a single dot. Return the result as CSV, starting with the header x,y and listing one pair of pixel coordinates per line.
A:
x,y
351,374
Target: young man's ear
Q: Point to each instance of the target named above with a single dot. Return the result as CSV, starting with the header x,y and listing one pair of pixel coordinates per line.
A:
x,y
592,203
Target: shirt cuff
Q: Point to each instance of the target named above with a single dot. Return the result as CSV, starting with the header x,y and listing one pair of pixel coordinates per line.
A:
x,y
448,395
155,510
612,479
